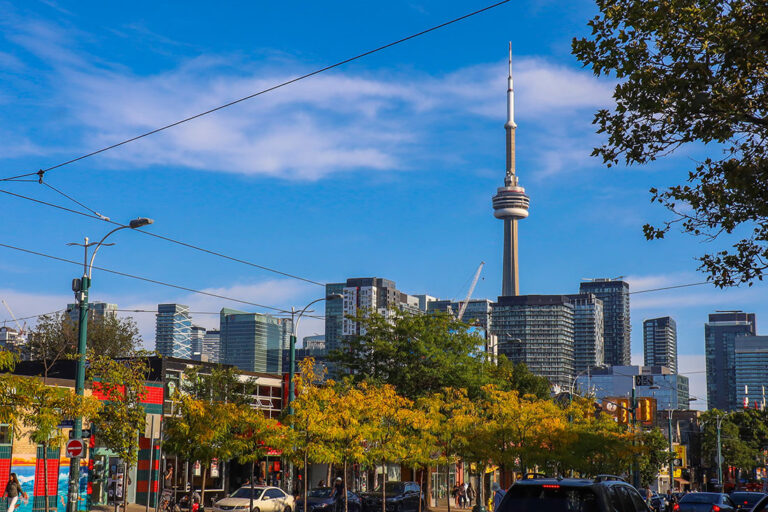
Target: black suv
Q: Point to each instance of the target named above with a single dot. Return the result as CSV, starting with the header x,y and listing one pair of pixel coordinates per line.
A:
x,y
603,494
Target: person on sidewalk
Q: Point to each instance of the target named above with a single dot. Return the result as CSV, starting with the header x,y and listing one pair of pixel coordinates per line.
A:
x,y
12,491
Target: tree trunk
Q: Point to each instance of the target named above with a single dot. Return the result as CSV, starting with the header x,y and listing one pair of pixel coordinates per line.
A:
x,y
306,482
346,501
329,475
448,488
383,487
428,495
202,487
421,487
125,487
481,491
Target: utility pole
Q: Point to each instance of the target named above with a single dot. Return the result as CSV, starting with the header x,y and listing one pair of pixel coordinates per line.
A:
x,y
719,423
633,412
80,287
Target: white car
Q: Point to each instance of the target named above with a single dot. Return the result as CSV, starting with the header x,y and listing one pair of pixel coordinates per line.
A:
x,y
265,499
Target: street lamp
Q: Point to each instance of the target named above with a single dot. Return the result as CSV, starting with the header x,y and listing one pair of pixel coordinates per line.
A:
x,y
292,360
80,287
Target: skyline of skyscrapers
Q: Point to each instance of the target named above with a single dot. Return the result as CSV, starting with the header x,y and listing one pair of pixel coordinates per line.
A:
x,y
173,331
660,342
720,334
617,327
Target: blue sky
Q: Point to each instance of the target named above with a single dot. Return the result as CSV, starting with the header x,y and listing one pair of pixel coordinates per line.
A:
x,y
384,167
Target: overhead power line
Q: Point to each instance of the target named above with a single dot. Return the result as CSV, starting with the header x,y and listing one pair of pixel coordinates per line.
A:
x,y
154,281
259,93
102,218
670,287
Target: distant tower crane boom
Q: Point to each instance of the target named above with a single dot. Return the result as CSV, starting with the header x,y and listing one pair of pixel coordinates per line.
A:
x,y
464,304
21,331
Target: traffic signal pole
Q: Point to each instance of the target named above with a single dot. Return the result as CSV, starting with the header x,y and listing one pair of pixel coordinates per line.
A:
x,y
671,454
633,412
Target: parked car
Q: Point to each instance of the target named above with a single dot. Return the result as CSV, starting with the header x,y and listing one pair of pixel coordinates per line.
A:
x,y
602,494
322,499
746,500
401,497
265,499
705,502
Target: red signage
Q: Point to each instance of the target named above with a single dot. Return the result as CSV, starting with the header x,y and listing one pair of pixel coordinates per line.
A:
x,y
75,448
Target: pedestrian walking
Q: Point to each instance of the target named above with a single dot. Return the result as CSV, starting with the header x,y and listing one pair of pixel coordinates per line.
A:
x,y
13,490
471,494
455,493
498,495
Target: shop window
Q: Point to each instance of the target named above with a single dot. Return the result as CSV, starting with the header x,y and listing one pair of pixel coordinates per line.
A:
x,y
5,434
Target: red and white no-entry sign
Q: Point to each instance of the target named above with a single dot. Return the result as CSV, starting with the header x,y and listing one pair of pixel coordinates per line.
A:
x,y
75,448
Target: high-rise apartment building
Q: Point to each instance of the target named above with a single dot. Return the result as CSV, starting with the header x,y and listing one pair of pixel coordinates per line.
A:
x,y
615,296
660,342
720,334
537,330
361,295
212,346
173,331
196,337
254,342
96,311
588,332
751,364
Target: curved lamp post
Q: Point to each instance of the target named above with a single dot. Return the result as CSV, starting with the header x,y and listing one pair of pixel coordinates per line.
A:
x,y
80,287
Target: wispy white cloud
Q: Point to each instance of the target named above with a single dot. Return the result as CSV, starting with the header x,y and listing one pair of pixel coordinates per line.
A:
x,y
330,123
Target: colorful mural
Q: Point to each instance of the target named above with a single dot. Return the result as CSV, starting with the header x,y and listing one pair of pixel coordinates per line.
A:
x,y
25,470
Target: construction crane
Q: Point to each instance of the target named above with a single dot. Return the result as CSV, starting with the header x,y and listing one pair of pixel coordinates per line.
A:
x,y
464,304
21,330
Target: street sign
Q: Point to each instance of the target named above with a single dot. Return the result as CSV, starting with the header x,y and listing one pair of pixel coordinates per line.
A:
x,y
678,462
67,424
75,448
86,433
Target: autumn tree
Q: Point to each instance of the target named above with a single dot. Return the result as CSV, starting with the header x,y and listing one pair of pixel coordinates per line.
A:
x,y
201,431
387,418
693,75
452,417
121,383
253,435
346,432
311,419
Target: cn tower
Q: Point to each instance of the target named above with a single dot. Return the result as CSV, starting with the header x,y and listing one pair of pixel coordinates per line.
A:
x,y
510,203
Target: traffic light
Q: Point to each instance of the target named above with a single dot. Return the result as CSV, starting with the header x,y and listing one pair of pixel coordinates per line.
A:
x,y
646,410
623,411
